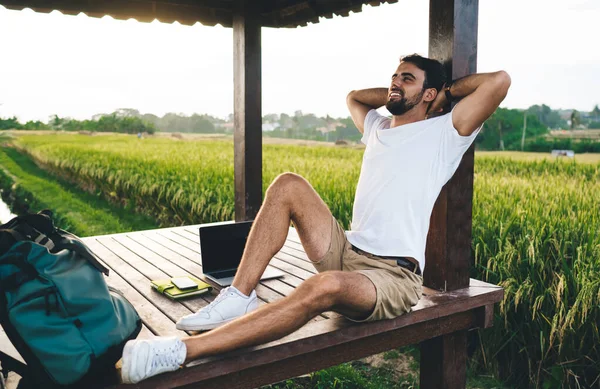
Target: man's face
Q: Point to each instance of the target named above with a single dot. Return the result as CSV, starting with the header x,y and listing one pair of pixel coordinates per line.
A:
x,y
406,90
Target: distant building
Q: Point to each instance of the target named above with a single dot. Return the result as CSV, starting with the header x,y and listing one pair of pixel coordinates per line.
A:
x,y
270,126
563,153
330,127
227,126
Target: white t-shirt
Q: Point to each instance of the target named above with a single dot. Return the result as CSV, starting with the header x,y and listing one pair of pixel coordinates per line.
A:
x,y
403,171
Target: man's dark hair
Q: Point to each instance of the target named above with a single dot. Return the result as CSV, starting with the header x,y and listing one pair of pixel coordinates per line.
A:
x,y
435,74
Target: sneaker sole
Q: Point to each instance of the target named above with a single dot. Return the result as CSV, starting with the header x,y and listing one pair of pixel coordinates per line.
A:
x,y
205,327
126,367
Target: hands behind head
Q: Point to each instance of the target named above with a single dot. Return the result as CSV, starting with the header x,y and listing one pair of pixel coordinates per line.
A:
x,y
436,108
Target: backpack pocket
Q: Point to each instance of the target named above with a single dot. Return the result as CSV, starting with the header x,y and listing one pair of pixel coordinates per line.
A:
x,y
51,334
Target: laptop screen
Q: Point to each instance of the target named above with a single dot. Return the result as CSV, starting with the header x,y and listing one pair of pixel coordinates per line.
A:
x,y
222,245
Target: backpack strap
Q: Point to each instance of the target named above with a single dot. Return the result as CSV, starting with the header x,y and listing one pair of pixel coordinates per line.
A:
x,y
17,236
86,253
24,231
39,228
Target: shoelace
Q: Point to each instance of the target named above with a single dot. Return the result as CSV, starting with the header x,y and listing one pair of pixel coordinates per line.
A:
x,y
220,297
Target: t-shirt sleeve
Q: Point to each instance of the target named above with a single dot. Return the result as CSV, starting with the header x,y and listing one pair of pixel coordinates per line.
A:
x,y
454,145
373,120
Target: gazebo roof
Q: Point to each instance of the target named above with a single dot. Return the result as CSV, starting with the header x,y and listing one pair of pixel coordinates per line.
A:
x,y
274,13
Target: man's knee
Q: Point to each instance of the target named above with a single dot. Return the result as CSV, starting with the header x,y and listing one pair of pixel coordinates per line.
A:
x,y
285,185
322,291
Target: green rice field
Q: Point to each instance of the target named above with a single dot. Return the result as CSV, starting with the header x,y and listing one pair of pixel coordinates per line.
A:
x,y
536,229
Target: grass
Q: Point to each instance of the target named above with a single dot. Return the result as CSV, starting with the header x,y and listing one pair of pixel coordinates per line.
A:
x,y
27,187
536,231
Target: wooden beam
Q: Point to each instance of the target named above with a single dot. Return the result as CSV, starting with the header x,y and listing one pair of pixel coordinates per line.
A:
x,y
247,111
453,41
446,360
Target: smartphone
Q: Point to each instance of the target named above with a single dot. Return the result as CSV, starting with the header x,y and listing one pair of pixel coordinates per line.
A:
x,y
183,283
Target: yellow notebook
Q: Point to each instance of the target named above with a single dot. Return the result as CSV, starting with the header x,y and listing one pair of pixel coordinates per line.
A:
x,y
167,288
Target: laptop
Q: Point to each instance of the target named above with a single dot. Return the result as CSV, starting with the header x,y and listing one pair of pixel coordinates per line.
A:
x,y
221,249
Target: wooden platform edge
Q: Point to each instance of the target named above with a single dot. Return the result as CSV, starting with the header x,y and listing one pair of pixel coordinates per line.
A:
x,y
327,343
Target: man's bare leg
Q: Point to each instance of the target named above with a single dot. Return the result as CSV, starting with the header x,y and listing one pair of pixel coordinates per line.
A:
x,y
289,198
349,293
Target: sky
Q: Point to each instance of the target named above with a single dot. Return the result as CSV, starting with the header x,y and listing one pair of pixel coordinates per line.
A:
x,y
76,66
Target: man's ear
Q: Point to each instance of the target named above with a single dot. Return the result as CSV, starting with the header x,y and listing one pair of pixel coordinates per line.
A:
x,y
430,94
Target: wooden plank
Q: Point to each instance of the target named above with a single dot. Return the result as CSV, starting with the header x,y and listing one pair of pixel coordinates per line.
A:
x,y
159,314
169,268
152,272
159,237
247,110
170,239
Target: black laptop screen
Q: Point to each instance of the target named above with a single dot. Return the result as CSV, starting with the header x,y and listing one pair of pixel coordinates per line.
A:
x,y
222,245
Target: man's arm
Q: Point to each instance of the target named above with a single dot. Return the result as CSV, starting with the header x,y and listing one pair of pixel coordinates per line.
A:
x,y
360,102
481,94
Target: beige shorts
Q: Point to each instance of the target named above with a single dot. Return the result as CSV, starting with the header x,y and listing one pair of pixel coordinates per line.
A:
x,y
398,289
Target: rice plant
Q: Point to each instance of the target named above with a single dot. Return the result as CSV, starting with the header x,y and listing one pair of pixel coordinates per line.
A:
x,y
536,231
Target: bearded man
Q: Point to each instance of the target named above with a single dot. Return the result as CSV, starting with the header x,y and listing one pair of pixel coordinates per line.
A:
x,y
372,272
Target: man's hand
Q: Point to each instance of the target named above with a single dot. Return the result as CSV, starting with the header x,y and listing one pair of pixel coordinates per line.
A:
x,y
436,107
480,95
360,102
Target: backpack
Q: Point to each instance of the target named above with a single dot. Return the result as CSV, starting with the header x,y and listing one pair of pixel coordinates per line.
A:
x,y
56,308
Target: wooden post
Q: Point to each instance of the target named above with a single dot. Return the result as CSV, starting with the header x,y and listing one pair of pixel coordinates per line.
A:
x,y
453,41
247,111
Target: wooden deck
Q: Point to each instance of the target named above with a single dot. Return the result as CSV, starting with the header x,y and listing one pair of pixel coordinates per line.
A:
x,y
136,258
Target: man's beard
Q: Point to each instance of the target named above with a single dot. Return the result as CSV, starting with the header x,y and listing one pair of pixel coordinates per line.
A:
x,y
400,107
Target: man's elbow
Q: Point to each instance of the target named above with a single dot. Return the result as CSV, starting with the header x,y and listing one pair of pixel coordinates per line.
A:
x,y
502,81
350,97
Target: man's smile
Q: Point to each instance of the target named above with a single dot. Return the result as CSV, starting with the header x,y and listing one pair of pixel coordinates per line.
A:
x,y
394,95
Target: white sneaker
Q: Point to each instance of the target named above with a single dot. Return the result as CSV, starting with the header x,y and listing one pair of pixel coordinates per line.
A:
x,y
148,357
227,306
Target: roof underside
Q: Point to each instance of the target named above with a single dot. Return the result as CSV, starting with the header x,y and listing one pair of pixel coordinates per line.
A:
x,y
274,13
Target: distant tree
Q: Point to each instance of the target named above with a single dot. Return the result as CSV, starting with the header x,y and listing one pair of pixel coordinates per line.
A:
x,y
505,129
547,116
201,124
107,123
10,124
127,112
271,118
151,118
347,131
575,119
56,122
36,125
596,113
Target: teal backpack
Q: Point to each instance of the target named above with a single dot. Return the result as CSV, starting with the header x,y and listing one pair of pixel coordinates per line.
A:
x,y
56,308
